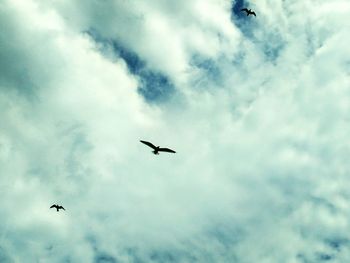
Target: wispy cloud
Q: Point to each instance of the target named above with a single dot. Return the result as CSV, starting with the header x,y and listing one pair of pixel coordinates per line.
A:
x,y
256,108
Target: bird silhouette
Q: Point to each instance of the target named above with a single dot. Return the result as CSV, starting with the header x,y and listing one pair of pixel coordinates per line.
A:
x,y
58,207
248,11
157,149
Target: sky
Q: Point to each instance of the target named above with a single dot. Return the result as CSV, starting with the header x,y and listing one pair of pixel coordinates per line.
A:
x,y
257,109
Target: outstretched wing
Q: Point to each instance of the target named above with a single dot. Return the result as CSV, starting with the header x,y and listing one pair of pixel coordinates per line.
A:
x,y
166,150
61,207
253,13
149,144
53,206
245,9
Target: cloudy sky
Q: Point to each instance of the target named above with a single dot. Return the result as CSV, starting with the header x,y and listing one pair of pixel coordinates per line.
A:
x,y
257,109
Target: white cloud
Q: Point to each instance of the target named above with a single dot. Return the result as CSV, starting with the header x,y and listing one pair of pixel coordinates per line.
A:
x,y
260,123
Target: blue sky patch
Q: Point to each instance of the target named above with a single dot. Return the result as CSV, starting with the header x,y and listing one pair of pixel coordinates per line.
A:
x,y
135,64
240,19
236,8
154,86
271,44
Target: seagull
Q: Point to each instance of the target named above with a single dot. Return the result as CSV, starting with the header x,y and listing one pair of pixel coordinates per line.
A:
x,y
58,207
157,149
248,11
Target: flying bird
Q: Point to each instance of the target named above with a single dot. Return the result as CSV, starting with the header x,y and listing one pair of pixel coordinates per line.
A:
x,y
58,207
248,11
157,149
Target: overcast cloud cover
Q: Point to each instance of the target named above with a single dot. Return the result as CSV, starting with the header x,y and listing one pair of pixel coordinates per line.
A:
x,y
257,109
